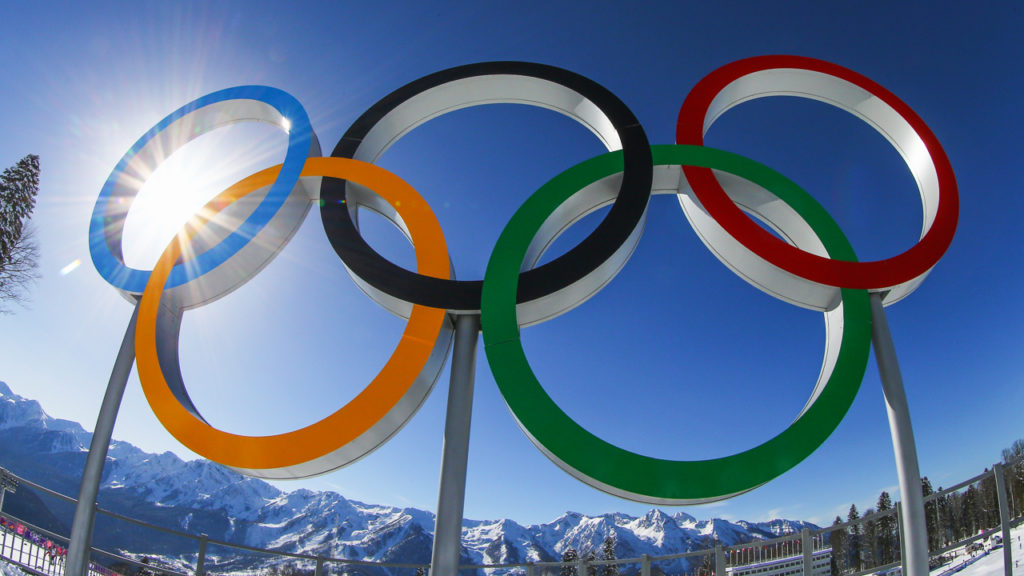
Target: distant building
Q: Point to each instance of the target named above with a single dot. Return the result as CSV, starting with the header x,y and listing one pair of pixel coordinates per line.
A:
x,y
789,566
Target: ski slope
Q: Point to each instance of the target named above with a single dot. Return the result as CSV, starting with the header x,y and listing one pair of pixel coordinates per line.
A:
x,y
990,563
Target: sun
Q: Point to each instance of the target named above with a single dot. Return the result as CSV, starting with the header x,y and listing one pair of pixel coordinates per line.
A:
x,y
184,181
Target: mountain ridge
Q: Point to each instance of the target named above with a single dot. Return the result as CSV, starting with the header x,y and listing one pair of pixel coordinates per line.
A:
x,y
199,496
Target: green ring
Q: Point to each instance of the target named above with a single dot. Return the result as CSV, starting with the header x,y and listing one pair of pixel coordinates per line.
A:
x,y
628,474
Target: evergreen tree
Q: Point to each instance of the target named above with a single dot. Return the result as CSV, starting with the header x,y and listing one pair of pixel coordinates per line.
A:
x,y
707,563
569,558
854,549
946,527
988,502
837,539
588,560
958,520
970,512
869,540
1013,459
886,527
931,516
608,553
18,251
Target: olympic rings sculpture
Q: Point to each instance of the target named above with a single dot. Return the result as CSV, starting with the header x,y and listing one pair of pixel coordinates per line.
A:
x,y
245,226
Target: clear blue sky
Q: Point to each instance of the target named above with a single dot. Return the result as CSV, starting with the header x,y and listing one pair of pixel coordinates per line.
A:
x,y
676,358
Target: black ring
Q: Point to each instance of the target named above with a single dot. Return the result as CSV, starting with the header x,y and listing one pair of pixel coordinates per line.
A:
x,y
625,215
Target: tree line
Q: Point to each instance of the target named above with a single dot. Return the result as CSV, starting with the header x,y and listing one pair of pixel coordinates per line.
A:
x,y
872,539
571,556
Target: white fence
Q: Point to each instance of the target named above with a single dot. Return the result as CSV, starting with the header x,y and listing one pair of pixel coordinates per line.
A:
x,y
878,550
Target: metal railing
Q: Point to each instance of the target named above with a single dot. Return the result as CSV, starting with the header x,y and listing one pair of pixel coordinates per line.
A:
x,y
871,544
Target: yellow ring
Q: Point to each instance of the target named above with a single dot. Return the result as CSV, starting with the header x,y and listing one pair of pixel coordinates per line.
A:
x,y
354,420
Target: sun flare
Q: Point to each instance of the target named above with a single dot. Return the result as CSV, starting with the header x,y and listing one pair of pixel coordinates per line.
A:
x,y
186,180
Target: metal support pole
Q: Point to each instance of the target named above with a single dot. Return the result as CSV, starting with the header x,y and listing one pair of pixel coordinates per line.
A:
x,y
645,565
319,570
916,531
201,559
85,509
1004,518
719,560
807,547
3,492
452,492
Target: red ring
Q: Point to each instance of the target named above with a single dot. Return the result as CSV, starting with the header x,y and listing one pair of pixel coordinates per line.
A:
x,y
863,275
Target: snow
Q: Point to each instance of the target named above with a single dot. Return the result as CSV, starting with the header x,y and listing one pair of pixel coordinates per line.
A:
x,y
328,523
9,569
991,564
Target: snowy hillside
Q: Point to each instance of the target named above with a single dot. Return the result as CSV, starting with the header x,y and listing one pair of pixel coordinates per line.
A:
x,y
199,496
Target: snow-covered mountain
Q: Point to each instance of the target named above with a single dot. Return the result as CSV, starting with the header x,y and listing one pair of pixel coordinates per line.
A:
x,y
202,497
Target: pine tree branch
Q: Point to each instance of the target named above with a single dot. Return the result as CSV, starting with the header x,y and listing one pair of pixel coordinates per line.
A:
x,y
19,271
19,252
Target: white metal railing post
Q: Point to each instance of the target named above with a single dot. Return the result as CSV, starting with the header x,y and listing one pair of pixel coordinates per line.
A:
x,y
807,547
1004,518
9,482
201,559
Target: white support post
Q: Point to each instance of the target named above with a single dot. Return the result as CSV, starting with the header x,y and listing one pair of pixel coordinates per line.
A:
x,y
85,509
1004,518
904,449
452,491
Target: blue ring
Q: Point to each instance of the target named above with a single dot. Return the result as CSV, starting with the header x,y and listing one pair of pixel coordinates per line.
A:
x,y
105,247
